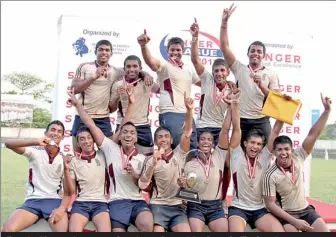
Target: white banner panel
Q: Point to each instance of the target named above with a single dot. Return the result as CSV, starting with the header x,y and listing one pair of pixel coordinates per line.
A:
x,y
286,54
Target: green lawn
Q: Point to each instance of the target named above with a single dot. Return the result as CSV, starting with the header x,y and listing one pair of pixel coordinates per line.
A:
x,y
14,174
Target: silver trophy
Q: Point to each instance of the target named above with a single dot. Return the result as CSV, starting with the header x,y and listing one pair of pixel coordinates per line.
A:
x,y
187,193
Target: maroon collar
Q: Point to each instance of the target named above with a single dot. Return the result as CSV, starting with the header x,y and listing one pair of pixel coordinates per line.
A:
x,y
88,158
177,64
133,82
168,157
289,169
135,153
51,156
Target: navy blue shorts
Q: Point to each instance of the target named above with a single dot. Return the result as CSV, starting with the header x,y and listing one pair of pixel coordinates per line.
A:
x,y
214,131
249,216
262,124
174,123
89,209
207,211
41,207
308,214
103,123
168,216
124,212
145,137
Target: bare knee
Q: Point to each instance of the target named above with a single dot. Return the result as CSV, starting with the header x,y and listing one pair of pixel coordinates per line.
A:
x,y
236,224
8,228
75,228
183,227
118,230
196,225
148,227
319,225
145,222
158,228
290,228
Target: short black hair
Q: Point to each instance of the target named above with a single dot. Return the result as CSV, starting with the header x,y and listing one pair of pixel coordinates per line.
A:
x,y
132,57
282,140
220,61
103,42
257,43
161,128
57,122
82,129
255,133
127,123
175,40
206,131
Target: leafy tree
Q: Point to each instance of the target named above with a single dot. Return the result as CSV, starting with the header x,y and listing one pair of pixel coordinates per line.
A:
x,y
329,132
30,85
41,118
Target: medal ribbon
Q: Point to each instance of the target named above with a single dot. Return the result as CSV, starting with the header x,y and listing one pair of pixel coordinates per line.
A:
x,y
254,71
206,167
251,170
130,83
80,155
293,179
216,98
172,61
106,68
125,162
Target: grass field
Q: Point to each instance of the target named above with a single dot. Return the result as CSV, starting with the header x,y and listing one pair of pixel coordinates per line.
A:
x,y
14,174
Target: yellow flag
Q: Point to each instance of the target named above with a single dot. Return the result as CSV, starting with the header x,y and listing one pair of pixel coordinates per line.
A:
x,y
277,107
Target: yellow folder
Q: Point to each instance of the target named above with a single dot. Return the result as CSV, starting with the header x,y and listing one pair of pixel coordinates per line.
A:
x,y
277,107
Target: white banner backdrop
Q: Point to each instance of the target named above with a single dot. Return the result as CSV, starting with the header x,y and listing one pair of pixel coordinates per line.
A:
x,y
286,54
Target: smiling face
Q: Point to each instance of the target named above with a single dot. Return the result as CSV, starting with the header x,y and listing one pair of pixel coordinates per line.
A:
x,y
253,146
220,73
206,142
163,139
85,142
283,153
103,53
256,54
175,52
132,69
55,132
128,136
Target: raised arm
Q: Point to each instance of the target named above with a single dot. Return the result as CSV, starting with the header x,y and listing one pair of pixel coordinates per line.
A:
x,y
152,62
129,112
148,171
114,98
223,140
97,134
69,176
80,84
188,124
315,131
224,38
195,59
19,145
274,134
233,101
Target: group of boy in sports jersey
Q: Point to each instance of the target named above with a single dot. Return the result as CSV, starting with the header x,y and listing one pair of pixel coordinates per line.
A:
x,y
109,183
